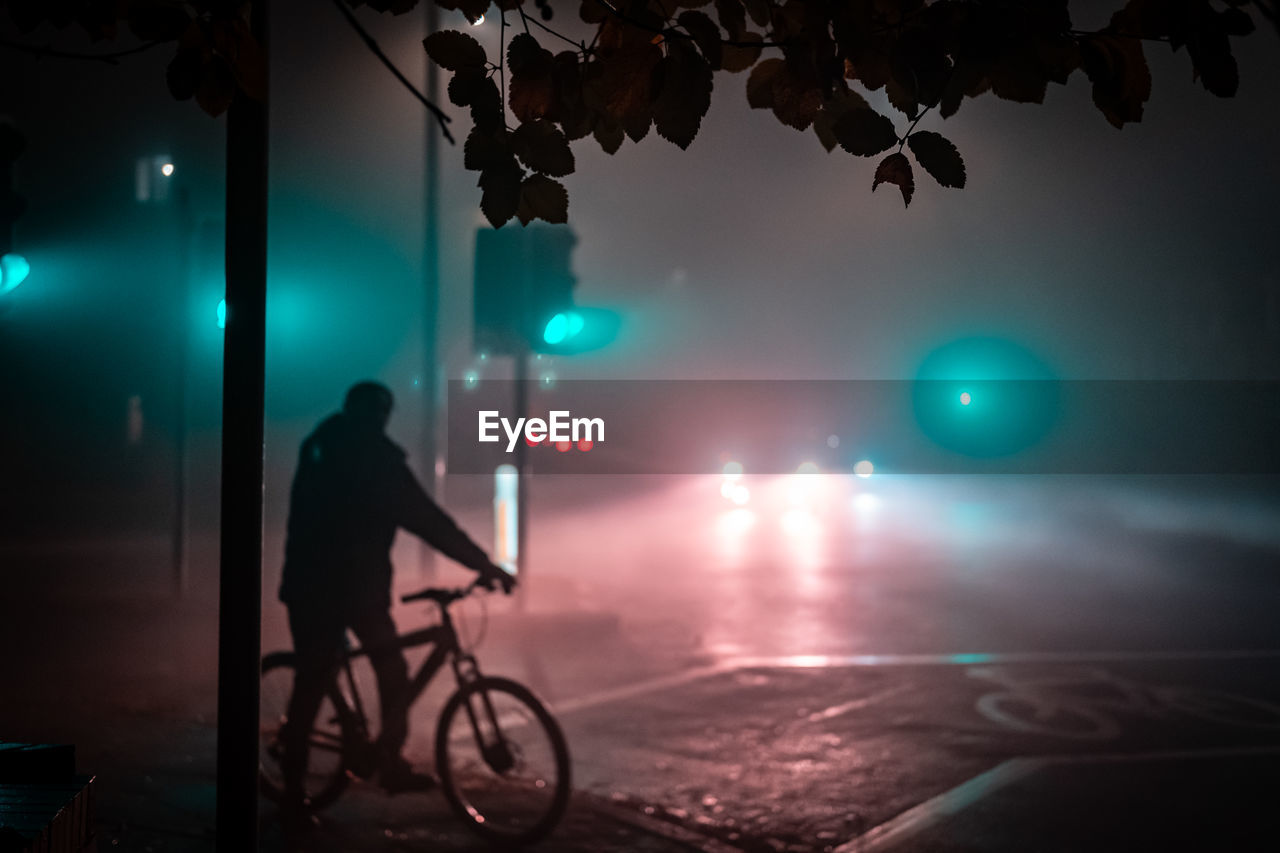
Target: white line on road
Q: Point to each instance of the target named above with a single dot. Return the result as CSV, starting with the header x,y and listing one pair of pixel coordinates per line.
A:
x,y
928,813
652,685
679,679
856,705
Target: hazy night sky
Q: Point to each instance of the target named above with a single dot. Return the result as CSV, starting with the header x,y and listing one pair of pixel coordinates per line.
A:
x,y
1137,253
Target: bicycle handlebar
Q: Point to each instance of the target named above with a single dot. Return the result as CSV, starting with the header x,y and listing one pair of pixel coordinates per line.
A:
x,y
440,595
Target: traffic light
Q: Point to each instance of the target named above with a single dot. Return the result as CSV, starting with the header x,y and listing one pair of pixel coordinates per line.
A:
x,y
524,282
985,397
13,267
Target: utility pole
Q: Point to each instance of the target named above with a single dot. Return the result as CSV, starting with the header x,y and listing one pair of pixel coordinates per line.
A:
x,y
240,570
179,550
431,293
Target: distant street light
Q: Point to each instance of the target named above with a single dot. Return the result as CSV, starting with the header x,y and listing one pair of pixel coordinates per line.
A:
x,y
167,170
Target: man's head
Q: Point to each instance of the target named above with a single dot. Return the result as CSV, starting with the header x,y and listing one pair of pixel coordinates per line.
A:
x,y
368,404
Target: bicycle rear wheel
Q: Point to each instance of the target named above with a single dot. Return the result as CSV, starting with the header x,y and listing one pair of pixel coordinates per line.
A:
x,y
503,761
326,777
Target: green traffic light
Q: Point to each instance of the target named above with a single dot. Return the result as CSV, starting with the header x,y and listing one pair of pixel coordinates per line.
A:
x,y
222,313
14,270
557,329
562,327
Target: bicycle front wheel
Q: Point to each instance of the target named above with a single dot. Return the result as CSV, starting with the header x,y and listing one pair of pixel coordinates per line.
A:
x,y
503,761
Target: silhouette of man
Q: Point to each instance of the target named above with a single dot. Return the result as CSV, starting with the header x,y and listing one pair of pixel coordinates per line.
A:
x,y
351,491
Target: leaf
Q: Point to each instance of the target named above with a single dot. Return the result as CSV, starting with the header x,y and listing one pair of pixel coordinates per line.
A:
x,y
541,146
823,128
532,98
637,125
1121,80
705,34
795,99
527,58
1210,51
455,51
841,101
1019,76
217,86
464,88
759,10
183,74
735,58
896,169
864,132
473,9
626,84
609,134
576,118
938,157
486,150
760,83
542,198
685,95
500,193
486,105
733,17
900,98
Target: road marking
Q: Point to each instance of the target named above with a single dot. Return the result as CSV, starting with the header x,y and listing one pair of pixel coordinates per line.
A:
x,y
855,705
928,813
679,679
652,685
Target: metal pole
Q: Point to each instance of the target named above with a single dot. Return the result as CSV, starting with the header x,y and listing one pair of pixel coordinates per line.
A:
x,y
179,555
431,291
240,577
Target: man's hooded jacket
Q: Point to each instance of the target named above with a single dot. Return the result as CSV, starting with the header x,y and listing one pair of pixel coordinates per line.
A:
x,y
351,491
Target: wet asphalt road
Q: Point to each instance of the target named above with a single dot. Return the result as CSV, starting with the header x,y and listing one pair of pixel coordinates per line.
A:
x,y
837,664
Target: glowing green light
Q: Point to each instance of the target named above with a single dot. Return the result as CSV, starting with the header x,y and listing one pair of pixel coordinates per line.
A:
x,y
222,313
965,398
14,270
563,326
557,329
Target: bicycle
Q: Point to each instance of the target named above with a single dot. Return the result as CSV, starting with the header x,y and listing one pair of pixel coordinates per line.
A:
x,y
501,758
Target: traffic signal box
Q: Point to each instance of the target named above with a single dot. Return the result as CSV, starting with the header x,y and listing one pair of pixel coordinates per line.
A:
x,y
523,280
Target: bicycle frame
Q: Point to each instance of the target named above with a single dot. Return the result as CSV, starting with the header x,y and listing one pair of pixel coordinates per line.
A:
x,y
446,647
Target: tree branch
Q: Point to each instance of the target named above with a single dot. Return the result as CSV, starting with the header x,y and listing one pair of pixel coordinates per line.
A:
x,y
441,118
